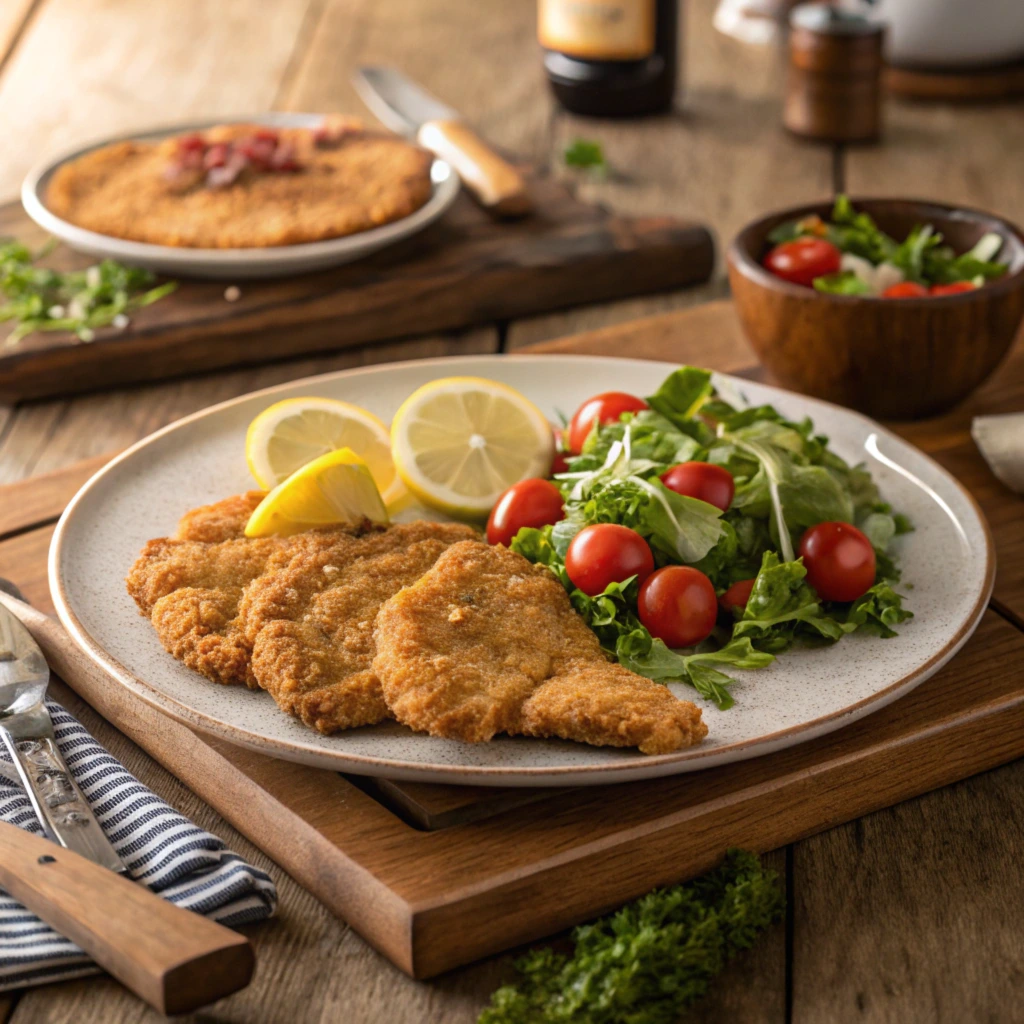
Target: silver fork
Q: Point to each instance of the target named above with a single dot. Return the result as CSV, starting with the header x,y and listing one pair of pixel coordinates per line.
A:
x,y
27,732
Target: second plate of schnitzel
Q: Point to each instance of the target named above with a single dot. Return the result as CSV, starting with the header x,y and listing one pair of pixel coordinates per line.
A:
x,y
349,629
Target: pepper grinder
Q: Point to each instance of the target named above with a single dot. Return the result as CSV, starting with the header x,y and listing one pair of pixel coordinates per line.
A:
x,y
834,91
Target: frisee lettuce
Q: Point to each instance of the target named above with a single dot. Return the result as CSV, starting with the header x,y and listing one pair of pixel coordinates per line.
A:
x,y
650,960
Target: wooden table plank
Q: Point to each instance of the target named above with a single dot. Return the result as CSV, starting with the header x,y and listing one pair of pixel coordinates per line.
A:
x,y
45,436
951,153
495,81
85,68
14,17
912,915
722,158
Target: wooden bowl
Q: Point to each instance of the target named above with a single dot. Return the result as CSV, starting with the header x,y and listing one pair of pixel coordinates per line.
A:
x,y
890,358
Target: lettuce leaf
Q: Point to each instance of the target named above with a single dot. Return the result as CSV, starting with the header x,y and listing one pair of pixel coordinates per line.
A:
x,y
781,605
843,282
878,611
680,398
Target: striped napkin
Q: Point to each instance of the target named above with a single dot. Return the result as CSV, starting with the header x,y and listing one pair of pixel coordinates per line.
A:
x,y
160,848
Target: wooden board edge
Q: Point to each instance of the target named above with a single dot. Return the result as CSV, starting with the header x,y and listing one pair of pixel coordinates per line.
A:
x,y
501,292
496,918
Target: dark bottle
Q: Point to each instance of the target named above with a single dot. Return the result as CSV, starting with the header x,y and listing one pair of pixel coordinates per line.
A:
x,y
610,58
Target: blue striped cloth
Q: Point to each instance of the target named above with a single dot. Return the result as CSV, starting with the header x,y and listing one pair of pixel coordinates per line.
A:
x,y
160,848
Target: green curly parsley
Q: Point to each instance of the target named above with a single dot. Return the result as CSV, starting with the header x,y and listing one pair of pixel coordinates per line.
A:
x,y
650,960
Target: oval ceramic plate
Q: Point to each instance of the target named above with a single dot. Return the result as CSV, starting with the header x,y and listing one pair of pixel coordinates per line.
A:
x,y
805,694
271,261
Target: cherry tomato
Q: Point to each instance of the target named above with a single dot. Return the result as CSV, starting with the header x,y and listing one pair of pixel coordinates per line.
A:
x,y
677,604
955,288
559,464
737,596
840,561
803,259
607,553
703,480
905,290
530,502
605,408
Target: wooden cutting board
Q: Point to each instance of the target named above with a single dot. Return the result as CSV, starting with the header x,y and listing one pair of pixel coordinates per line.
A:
x,y
464,270
436,876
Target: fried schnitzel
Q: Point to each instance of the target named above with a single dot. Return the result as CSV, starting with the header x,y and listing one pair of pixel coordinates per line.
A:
x,y
486,643
151,192
189,585
310,623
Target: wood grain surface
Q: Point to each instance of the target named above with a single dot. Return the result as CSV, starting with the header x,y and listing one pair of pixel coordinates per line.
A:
x,y
429,897
464,270
931,941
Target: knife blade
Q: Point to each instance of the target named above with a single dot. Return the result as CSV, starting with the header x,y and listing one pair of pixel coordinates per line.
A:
x,y
27,732
410,110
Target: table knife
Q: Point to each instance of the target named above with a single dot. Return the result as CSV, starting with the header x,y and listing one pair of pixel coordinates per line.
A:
x,y
173,958
408,109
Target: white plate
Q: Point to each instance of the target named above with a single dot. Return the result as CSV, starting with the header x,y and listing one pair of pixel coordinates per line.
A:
x,y
949,562
235,264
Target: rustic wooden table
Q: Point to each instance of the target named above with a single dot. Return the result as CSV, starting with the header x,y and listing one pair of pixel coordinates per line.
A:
x,y
910,914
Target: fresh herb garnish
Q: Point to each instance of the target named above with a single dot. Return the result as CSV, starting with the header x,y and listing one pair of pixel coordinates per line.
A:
x,y
587,155
650,960
41,299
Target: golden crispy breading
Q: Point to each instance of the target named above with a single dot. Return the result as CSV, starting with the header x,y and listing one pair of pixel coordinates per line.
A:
x,y
190,585
367,180
310,623
223,520
486,643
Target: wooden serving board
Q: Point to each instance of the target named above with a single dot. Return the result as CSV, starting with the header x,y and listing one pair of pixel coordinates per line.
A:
x,y
464,270
437,876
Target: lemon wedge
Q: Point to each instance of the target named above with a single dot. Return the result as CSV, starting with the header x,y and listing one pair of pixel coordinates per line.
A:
x,y
335,489
457,443
289,434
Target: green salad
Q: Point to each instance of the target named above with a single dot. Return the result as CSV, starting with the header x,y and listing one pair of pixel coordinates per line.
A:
x,y
850,255
796,549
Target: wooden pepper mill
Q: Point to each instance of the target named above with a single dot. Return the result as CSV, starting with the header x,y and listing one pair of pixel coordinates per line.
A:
x,y
834,92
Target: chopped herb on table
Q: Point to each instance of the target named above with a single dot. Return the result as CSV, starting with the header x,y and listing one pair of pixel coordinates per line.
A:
x,y
587,155
42,299
651,959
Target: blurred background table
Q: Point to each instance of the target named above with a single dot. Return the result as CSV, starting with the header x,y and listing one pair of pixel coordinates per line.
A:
x,y
910,914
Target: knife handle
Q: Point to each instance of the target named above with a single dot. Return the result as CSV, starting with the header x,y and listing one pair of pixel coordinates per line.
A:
x,y
172,958
495,183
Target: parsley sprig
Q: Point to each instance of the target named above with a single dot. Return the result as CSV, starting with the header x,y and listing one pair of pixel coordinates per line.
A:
x,y
42,299
652,958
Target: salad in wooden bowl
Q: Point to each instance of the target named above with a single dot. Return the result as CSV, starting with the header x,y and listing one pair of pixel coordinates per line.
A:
x,y
899,308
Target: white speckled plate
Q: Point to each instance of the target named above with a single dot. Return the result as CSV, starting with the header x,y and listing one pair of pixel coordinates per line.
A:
x,y
949,562
231,264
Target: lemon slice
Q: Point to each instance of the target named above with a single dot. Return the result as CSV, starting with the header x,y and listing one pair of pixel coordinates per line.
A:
x,y
335,489
457,443
292,433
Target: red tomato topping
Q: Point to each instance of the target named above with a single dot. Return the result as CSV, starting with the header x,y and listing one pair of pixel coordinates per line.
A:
x,y
605,408
955,288
803,259
702,480
737,596
840,561
607,553
530,502
904,290
677,604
